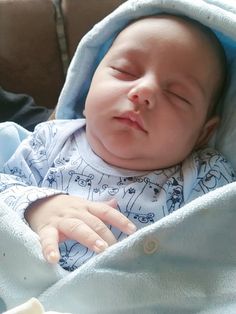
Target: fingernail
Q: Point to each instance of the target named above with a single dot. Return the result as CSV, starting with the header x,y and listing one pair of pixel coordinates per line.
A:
x,y
52,257
100,246
131,228
112,202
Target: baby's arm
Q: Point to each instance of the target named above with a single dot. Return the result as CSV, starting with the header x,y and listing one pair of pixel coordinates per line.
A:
x,y
213,172
52,214
63,217
20,182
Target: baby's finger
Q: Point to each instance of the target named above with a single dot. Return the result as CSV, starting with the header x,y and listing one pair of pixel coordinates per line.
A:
x,y
112,202
113,217
49,240
78,230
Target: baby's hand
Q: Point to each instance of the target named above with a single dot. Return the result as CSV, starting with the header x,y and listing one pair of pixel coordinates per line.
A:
x,y
62,217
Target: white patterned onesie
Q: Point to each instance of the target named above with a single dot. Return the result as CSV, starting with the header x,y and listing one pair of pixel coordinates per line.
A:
x,y
57,158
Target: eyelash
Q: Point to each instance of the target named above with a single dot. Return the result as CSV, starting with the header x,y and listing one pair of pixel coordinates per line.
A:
x,y
181,98
121,71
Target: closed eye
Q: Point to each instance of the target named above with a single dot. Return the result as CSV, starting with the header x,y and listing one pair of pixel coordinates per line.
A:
x,y
123,73
180,97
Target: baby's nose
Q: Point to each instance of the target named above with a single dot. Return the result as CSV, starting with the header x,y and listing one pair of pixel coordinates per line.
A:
x,y
140,99
143,94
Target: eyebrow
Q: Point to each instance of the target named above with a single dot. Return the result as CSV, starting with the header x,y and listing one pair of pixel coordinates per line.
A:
x,y
127,50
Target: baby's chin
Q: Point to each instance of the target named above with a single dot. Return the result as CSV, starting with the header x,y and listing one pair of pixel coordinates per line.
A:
x,y
116,156
134,163
123,154
126,160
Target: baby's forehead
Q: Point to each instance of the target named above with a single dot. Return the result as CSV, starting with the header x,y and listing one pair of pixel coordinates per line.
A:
x,y
166,23
172,28
165,29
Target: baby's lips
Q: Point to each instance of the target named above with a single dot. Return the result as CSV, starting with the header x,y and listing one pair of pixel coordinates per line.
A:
x,y
134,117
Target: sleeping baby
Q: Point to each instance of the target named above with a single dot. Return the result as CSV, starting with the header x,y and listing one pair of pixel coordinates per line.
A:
x,y
140,153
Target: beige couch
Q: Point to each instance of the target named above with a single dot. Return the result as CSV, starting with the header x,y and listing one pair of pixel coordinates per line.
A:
x,y
38,39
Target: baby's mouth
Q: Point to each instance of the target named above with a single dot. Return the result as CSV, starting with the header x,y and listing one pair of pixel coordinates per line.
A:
x,y
133,120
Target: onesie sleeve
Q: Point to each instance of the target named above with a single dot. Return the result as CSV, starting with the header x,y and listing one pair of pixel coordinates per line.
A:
x,y
23,173
212,171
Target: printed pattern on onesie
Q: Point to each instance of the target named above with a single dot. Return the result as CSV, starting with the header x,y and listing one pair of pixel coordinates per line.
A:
x,y
143,197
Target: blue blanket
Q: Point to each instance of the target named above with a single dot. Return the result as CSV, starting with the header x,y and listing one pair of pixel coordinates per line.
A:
x,y
184,263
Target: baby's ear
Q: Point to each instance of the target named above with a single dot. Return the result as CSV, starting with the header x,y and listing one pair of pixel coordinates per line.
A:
x,y
207,131
84,113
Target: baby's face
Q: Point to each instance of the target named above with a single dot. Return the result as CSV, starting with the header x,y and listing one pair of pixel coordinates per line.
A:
x,y
147,104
